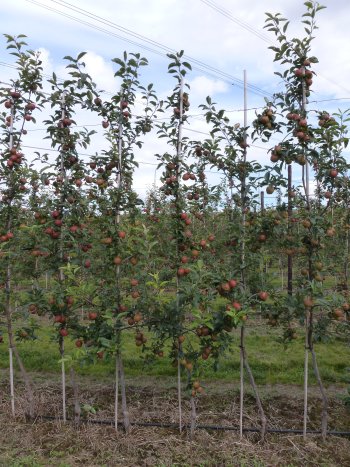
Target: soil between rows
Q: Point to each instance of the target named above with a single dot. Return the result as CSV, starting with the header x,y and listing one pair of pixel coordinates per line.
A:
x,y
154,400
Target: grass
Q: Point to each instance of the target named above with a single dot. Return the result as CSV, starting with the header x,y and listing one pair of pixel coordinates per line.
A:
x,y
271,361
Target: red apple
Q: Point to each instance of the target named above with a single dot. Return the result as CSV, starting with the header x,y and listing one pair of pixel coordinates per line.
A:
x,y
181,272
232,283
263,296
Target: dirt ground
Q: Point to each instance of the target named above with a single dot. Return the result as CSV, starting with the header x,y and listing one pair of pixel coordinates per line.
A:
x,y
52,443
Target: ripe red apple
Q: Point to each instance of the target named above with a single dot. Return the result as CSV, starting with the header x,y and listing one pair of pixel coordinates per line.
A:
x,y
105,124
264,119
299,72
87,264
330,232
64,332
232,283
121,234
30,106
333,173
181,272
15,94
137,317
225,287
308,302
67,121
117,260
92,315
78,343
263,296
237,306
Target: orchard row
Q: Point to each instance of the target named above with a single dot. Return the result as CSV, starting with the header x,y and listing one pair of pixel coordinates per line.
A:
x,y
193,261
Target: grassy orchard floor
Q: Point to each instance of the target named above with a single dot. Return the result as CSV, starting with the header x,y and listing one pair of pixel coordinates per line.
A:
x,y
272,362
151,392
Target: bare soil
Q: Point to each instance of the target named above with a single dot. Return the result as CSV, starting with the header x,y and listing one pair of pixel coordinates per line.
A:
x,y
52,443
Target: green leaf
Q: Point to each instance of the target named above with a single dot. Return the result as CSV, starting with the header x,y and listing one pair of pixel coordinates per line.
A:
x,y
81,55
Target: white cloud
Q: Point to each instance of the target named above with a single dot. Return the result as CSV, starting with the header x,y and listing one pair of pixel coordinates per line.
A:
x,y
201,87
101,71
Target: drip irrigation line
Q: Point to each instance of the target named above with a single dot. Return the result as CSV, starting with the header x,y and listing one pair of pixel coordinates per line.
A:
x,y
201,427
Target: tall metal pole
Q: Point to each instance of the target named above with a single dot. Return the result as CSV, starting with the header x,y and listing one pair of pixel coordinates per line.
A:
x,y
243,199
307,313
61,340
178,177
8,291
290,210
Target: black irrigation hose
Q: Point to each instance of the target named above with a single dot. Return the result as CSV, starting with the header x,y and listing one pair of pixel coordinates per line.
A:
x,y
204,427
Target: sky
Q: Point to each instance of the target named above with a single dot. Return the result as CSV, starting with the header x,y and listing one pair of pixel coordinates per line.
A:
x,y
227,36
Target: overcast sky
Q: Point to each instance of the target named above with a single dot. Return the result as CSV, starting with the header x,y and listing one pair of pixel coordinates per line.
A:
x,y
226,35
